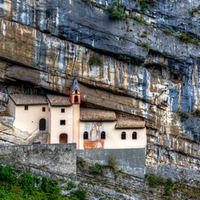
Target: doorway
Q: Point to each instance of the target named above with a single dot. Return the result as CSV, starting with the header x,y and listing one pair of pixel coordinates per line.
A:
x,y
63,138
42,124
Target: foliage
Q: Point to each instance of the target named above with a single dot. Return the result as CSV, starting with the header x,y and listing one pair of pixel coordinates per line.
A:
x,y
154,180
80,162
18,185
144,45
70,186
96,169
195,9
143,4
183,115
168,186
80,194
139,20
186,38
112,161
117,11
197,112
167,32
95,60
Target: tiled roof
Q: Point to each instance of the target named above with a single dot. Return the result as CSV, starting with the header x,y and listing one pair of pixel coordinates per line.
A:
x,y
128,123
27,99
88,114
58,100
75,85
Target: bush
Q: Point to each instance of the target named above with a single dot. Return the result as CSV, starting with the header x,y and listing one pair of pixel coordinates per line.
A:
x,y
96,169
70,186
197,111
80,161
80,194
167,32
117,11
143,5
95,60
186,38
112,161
184,116
154,180
168,186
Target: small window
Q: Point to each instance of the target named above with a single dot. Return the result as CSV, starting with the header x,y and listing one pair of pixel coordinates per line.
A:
x,y
134,136
75,91
43,109
62,110
76,99
103,135
62,122
25,107
123,135
85,135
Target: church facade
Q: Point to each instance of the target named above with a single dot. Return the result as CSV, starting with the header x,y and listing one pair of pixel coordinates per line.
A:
x,y
65,121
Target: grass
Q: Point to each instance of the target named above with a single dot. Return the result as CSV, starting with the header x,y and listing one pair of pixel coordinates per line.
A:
x,y
186,38
144,45
167,32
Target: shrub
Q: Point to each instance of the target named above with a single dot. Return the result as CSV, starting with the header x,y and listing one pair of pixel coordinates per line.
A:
x,y
195,9
168,186
143,4
95,60
167,32
117,11
154,180
144,45
197,111
96,169
80,161
70,186
186,38
80,194
112,161
184,116
139,20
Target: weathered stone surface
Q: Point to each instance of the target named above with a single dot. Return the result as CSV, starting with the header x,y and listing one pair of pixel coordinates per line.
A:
x,y
57,159
46,44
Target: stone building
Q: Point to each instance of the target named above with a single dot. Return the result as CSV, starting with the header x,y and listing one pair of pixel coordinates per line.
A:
x,y
65,121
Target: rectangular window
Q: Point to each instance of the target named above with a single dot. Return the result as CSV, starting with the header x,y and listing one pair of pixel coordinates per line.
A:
x,y
43,109
25,107
62,110
62,122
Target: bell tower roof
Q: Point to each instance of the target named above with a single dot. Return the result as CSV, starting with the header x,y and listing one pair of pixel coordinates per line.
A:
x,y
75,85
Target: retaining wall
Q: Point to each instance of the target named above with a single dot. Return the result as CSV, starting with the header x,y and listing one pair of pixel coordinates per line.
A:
x,y
50,160
127,159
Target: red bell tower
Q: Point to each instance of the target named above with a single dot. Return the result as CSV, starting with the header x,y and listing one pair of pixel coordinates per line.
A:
x,y
75,93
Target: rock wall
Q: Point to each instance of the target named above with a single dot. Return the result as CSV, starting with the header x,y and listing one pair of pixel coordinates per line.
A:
x,y
47,160
46,44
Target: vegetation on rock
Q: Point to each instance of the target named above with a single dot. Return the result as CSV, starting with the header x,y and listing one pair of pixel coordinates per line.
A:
x,y
112,161
194,10
117,11
186,38
95,60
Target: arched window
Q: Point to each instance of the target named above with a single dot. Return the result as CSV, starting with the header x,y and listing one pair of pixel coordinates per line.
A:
x,y
75,91
85,135
123,135
103,135
134,136
76,99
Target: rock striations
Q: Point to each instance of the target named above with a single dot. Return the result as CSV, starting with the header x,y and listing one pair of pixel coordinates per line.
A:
x,y
146,74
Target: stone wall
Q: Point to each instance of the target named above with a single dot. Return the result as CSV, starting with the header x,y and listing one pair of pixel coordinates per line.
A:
x,y
48,160
128,159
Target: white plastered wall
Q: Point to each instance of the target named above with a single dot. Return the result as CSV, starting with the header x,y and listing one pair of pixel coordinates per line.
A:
x,y
113,137
57,129
28,120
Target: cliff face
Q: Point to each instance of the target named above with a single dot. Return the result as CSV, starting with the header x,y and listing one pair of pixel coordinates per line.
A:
x,y
45,44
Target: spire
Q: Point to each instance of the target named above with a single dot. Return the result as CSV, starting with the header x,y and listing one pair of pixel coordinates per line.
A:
x,y
75,85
